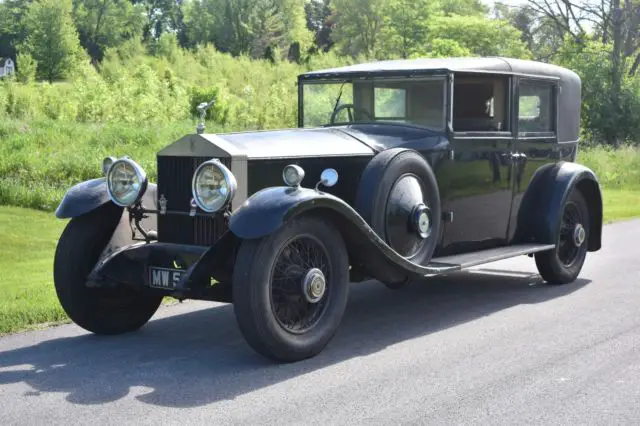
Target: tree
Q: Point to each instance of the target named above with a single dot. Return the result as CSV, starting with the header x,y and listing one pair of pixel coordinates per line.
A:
x,y
162,16
406,27
357,25
52,39
247,26
296,32
542,38
105,23
480,35
463,7
12,30
320,23
615,26
268,29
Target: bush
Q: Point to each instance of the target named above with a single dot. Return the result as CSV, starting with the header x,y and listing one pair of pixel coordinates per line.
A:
x,y
27,68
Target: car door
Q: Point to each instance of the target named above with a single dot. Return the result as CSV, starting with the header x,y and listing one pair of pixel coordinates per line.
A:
x,y
476,182
536,123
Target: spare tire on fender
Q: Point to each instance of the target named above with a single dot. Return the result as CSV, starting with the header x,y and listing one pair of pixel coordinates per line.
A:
x,y
398,196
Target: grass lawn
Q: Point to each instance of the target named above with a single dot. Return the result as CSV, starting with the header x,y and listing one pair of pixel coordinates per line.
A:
x,y
28,239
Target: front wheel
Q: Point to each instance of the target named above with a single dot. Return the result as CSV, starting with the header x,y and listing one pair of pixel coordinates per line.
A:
x,y
105,310
290,289
563,264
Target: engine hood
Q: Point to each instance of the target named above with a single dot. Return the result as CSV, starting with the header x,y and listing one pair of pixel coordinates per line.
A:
x,y
290,143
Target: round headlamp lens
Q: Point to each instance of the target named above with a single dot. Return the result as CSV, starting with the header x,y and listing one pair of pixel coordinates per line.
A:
x,y
127,182
213,186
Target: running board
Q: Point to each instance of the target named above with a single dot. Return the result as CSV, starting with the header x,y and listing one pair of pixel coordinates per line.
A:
x,y
467,260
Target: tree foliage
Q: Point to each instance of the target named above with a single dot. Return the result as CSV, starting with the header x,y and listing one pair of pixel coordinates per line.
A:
x,y
482,37
105,23
163,40
247,27
12,28
52,39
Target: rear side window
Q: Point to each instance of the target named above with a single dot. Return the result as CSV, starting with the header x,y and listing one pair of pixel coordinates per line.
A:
x,y
536,108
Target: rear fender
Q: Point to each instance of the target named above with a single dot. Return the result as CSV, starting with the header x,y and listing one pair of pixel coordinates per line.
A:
x,y
541,207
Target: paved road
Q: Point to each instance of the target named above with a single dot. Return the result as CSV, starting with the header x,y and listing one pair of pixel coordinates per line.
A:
x,y
493,346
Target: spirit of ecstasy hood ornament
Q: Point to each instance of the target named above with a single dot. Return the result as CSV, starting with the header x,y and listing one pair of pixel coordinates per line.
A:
x,y
202,108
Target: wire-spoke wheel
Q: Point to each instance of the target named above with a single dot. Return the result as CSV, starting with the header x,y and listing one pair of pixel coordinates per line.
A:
x,y
563,264
290,289
299,278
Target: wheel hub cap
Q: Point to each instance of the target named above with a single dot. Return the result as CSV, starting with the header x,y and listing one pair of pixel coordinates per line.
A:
x,y
422,220
314,285
579,235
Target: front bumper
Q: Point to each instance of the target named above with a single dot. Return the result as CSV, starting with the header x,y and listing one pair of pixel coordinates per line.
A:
x,y
204,272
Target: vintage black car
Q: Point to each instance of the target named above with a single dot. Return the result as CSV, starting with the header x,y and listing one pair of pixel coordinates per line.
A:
x,y
399,170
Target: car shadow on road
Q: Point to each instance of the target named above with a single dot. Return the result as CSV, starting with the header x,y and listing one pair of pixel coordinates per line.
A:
x,y
200,357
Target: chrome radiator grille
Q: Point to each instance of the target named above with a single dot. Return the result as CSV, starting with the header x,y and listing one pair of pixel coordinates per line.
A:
x,y
174,183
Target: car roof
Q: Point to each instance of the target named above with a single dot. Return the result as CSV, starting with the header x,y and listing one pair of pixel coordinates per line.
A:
x,y
569,83
495,64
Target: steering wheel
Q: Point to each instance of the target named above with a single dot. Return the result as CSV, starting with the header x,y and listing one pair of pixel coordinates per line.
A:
x,y
351,108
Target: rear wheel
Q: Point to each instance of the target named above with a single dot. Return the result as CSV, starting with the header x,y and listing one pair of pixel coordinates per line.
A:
x,y
105,310
290,289
563,264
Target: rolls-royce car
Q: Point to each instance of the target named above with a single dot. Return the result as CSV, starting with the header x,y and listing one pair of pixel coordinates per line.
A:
x,y
397,171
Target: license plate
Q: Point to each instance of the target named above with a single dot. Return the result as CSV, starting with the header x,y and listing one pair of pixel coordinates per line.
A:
x,y
164,278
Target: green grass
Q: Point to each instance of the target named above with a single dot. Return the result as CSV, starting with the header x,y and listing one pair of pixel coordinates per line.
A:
x,y
29,237
621,204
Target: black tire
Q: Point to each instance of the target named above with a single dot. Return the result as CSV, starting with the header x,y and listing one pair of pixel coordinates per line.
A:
x,y
257,303
563,264
377,185
106,311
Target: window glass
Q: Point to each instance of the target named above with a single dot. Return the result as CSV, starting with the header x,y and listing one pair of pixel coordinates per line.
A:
x,y
416,101
390,103
480,104
535,108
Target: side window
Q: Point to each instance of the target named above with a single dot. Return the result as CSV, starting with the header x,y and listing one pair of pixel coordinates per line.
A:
x,y
480,104
536,108
390,103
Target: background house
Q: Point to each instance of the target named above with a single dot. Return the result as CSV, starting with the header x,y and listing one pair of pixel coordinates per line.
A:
x,y
7,67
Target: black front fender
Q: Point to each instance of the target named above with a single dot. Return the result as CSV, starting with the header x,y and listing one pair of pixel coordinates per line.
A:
x,y
542,205
83,198
89,195
268,210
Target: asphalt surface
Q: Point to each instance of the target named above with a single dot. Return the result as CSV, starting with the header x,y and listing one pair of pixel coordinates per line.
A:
x,y
493,346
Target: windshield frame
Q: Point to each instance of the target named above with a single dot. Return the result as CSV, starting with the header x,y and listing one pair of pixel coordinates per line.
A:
x,y
348,78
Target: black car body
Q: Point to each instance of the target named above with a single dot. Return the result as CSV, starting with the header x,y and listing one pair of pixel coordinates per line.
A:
x,y
441,164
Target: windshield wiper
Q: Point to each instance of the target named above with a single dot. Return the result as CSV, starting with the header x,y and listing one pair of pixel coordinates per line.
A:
x,y
335,107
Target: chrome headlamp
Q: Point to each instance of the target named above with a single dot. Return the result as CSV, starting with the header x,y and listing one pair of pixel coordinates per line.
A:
x,y
213,186
126,182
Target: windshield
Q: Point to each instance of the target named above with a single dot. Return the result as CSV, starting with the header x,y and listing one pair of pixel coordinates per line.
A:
x,y
413,101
